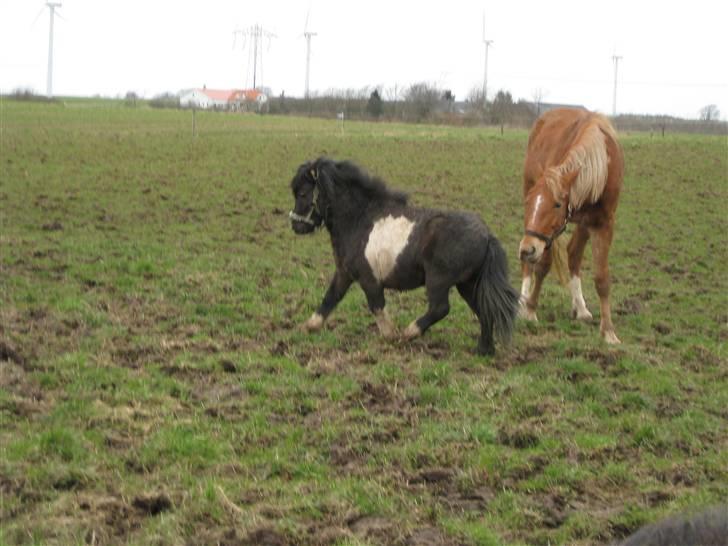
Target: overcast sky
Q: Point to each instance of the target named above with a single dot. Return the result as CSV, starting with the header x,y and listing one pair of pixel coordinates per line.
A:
x,y
675,54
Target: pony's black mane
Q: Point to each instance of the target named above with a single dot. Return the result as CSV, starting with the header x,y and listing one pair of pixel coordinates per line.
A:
x,y
347,176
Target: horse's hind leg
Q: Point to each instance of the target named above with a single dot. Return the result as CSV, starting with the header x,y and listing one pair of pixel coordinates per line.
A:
x,y
438,308
601,240
576,253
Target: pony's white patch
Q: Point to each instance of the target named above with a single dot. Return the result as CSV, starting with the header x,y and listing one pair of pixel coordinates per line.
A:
x,y
314,323
578,305
387,240
385,324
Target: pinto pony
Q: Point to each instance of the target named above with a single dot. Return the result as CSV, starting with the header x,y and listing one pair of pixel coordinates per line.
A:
x,y
573,174
380,241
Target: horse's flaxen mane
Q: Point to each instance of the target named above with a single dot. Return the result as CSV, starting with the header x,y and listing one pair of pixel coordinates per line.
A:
x,y
589,156
347,175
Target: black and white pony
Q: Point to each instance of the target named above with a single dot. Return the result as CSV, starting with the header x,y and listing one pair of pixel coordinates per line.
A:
x,y
380,241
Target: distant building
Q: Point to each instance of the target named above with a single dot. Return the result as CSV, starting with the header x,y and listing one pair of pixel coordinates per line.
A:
x,y
223,99
538,108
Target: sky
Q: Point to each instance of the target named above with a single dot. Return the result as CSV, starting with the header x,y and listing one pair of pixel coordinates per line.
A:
x,y
674,54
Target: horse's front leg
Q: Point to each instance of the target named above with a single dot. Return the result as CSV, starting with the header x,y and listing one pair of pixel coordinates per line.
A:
x,y
576,253
526,278
338,287
375,300
529,302
601,241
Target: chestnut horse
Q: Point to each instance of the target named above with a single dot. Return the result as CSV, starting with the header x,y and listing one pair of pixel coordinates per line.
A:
x,y
573,174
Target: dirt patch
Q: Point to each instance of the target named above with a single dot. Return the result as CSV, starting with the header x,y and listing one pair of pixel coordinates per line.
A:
x,y
376,529
111,518
518,436
520,356
10,354
428,536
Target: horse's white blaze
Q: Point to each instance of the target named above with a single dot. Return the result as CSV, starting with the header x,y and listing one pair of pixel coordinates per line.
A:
x,y
387,240
578,305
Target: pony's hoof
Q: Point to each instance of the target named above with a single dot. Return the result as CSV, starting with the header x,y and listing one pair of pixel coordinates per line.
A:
x,y
314,324
611,338
411,332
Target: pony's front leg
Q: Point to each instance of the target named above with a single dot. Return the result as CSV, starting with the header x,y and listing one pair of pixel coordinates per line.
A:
x,y
338,287
375,299
601,241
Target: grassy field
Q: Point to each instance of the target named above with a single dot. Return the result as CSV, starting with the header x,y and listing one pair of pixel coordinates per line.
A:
x,y
155,387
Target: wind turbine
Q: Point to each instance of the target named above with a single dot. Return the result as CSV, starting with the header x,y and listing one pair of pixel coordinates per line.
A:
x,y
487,43
308,34
52,8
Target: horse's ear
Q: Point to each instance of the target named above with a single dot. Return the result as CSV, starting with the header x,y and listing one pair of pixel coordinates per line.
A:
x,y
539,170
567,179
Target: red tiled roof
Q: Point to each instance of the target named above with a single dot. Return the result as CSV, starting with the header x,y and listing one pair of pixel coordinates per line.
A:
x,y
219,94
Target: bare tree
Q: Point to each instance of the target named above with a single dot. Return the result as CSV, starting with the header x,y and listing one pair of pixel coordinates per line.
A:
x,y
709,113
538,95
421,100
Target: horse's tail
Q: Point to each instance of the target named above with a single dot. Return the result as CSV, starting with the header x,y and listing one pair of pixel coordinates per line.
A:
x,y
497,300
560,260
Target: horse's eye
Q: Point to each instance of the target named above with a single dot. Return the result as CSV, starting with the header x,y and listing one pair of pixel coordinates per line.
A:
x,y
557,205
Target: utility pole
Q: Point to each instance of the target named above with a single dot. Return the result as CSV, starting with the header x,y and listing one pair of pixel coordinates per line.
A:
x,y
615,58
49,85
487,43
256,33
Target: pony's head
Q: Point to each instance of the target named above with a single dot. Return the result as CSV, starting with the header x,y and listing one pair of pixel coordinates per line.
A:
x,y
547,212
307,213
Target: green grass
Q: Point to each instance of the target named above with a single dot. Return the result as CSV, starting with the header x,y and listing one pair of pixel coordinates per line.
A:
x,y
151,291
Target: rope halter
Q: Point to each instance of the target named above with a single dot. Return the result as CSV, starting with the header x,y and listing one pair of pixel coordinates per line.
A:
x,y
314,203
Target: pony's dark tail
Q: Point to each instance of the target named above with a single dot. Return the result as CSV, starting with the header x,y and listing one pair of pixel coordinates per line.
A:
x,y
497,300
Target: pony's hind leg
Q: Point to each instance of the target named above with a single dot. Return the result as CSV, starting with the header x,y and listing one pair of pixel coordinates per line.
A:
x,y
576,253
467,290
438,308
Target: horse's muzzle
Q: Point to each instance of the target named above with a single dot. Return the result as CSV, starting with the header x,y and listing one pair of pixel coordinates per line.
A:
x,y
531,249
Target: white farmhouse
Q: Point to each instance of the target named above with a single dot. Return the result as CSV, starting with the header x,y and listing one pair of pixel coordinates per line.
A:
x,y
223,99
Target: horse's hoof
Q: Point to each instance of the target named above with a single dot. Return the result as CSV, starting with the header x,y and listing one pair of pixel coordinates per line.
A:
x,y
527,314
412,331
584,315
314,324
611,337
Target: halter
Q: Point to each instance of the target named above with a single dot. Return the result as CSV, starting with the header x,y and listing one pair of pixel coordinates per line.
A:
x,y
550,240
314,203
